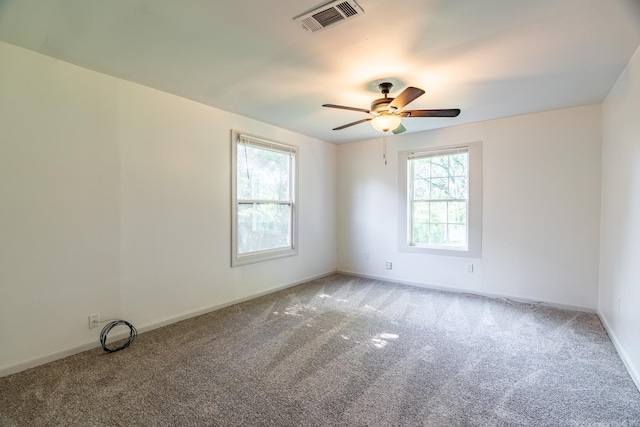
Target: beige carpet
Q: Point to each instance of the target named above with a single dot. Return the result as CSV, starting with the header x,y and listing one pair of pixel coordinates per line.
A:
x,y
343,351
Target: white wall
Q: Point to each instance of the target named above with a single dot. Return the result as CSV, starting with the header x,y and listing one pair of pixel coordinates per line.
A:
x,y
619,302
541,199
176,207
115,199
59,204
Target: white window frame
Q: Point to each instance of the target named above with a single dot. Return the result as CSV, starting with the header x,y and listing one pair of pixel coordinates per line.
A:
x,y
238,138
474,213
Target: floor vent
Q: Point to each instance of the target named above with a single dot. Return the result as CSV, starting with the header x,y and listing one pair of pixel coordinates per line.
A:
x,y
329,14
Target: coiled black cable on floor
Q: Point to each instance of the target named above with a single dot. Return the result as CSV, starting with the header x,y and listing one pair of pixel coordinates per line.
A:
x,y
103,335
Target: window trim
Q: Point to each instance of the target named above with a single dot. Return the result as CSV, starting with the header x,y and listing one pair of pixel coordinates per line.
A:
x,y
474,226
269,254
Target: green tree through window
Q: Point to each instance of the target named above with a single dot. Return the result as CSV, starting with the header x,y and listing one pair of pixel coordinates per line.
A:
x,y
264,200
438,198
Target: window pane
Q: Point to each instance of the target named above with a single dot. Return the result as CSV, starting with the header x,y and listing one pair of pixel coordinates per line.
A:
x,y
263,226
458,187
421,212
457,234
262,174
457,213
439,188
420,234
437,234
421,189
439,166
438,212
421,168
458,164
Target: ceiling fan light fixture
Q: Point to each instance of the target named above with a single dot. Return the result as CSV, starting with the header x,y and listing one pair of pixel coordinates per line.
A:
x,y
386,122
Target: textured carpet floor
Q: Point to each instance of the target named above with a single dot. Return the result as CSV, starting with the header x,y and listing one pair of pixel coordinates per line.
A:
x,y
343,351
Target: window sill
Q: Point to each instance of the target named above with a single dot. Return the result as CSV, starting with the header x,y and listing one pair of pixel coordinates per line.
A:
x,y
441,250
255,257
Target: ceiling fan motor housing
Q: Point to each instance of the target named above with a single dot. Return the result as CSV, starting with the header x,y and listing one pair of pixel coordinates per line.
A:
x,y
380,105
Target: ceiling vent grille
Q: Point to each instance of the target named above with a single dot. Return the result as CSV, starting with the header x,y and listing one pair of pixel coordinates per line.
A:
x,y
329,14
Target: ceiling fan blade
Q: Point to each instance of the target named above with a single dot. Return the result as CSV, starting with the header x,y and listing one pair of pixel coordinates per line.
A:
x,y
342,107
399,129
407,96
452,112
354,123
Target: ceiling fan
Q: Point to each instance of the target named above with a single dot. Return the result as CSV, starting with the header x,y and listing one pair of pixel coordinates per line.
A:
x,y
388,112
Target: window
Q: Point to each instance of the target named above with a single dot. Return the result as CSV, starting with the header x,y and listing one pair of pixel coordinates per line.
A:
x,y
264,212
441,208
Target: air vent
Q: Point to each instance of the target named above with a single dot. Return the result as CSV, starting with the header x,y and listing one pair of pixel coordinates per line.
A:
x,y
329,14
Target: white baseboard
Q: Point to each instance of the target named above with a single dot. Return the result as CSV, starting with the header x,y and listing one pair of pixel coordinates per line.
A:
x,y
470,291
195,313
51,357
47,358
633,372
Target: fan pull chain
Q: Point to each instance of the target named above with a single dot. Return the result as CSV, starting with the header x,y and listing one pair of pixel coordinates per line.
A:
x,y
384,149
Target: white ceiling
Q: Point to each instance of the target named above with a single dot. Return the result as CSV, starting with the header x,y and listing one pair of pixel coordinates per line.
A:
x,y
490,58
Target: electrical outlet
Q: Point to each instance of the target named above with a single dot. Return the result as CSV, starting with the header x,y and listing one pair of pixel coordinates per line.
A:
x,y
94,321
389,265
366,255
469,268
